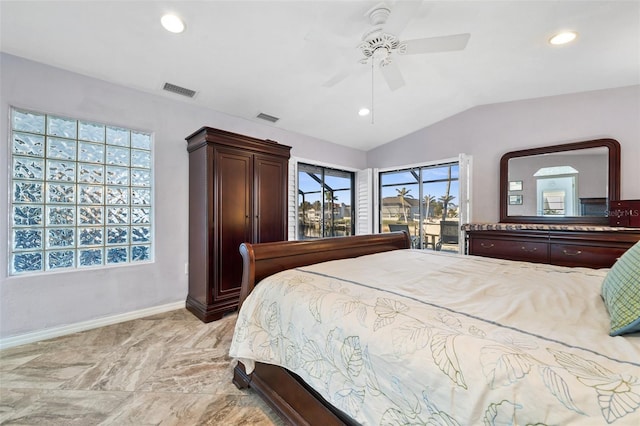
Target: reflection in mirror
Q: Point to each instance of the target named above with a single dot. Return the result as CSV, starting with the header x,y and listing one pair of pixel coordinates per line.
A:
x,y
571,183
559,184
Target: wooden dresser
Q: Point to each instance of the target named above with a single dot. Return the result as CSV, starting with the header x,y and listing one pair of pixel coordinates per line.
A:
x,y
237,194
566,245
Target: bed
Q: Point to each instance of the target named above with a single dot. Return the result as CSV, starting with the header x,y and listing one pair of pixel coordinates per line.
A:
x,y
365,330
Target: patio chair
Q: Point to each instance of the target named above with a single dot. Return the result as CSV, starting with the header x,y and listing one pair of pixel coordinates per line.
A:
x,y
395,227
449,233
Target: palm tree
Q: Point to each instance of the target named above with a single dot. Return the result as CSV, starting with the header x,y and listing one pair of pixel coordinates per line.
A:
x,y
428,199
402,194
330,198
304,206
317,221
446,199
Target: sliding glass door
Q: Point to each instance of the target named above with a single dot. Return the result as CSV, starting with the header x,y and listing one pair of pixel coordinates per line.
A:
x,y
325,200
424,201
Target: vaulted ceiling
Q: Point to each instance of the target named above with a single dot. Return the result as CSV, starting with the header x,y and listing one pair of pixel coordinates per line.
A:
x,y
279,57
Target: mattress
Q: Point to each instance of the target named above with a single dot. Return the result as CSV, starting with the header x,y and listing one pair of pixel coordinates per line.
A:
x,y
421,337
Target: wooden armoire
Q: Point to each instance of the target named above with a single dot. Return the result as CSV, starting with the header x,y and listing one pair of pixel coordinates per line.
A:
x,y
237,193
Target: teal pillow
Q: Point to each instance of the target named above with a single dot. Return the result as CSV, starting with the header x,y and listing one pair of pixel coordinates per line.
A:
x,y
621,292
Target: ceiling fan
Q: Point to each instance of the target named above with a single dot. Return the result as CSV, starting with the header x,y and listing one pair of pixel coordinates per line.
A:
x,y
382,44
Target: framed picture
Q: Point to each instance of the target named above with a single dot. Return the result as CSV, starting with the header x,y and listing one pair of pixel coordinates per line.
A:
x,y
515,199
515,185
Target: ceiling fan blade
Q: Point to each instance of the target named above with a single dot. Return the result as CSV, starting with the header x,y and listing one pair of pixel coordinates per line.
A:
x,y
392,75
329,39
437,44
337,78
401,13
342,74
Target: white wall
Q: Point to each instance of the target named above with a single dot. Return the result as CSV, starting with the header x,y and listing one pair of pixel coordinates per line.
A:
x,y
487,132
30,303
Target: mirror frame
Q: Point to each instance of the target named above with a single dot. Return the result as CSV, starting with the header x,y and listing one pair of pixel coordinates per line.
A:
x,y
613,188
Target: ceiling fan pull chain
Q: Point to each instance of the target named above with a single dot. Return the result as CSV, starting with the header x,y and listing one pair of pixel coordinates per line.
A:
x,y
372,86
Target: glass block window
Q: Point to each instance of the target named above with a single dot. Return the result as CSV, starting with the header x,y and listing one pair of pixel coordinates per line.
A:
x,y
81,194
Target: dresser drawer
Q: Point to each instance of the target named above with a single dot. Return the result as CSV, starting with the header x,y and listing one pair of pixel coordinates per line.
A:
x,y
583,255
530,251
589,248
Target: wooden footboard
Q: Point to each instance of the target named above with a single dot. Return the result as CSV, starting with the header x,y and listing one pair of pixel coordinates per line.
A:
x,y
295,401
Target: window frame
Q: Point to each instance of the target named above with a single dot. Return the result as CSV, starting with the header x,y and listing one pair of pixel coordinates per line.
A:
x,y
138,154
324,167
464,166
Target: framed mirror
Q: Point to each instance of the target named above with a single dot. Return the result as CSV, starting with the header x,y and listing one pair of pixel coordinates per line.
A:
x,y
572,183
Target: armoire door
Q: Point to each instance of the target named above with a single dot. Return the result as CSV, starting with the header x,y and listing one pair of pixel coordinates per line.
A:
x,y
232,221
270,208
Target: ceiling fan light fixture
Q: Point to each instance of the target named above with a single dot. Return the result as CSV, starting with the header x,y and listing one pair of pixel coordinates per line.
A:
x,y
381,54
563,37
172,23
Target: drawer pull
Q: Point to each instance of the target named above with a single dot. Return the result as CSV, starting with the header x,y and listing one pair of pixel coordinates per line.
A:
x,y
572,254
483,245
529,250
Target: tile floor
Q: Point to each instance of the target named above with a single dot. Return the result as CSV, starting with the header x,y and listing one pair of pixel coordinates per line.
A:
x,y
167,369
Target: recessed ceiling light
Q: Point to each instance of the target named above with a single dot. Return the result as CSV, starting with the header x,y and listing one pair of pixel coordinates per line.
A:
x,y
563,37
363,112
172,23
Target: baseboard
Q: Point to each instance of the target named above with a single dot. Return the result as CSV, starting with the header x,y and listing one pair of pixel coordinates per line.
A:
x,y
36,336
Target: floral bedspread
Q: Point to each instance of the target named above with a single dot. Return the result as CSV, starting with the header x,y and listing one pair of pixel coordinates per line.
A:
x,y
413,337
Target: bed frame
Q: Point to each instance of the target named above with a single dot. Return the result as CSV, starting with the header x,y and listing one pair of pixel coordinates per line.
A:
x,y
284,391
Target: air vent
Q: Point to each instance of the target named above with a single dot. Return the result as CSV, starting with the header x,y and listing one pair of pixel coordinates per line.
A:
x,y
179,90
267,117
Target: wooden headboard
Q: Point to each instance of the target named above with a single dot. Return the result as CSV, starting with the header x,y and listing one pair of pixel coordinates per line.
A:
x,y
264,259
